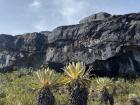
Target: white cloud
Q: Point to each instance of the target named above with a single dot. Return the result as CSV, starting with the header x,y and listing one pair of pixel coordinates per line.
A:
x,y
54,13
41,25
74,9
70,7
35,3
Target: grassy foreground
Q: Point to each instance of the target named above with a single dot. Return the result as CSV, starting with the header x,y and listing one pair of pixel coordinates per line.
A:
x,y
21,88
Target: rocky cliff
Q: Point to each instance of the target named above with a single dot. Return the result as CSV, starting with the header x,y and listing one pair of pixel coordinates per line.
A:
x,y
111,44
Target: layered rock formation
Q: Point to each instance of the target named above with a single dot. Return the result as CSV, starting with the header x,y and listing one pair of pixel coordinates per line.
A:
x,y
111,44
95,17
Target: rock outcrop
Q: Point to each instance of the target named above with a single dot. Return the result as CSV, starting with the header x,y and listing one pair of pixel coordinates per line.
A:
x,y
111,44
95,17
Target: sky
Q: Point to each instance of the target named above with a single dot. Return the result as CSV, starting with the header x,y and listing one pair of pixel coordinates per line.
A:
x,y
24,16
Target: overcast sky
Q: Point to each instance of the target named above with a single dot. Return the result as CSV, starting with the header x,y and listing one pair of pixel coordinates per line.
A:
x,y
22,16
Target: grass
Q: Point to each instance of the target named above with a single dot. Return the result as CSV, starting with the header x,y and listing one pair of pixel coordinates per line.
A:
x,y
20,88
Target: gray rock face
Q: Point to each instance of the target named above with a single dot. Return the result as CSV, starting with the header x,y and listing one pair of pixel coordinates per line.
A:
x,y
22,51
95,17
111,46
